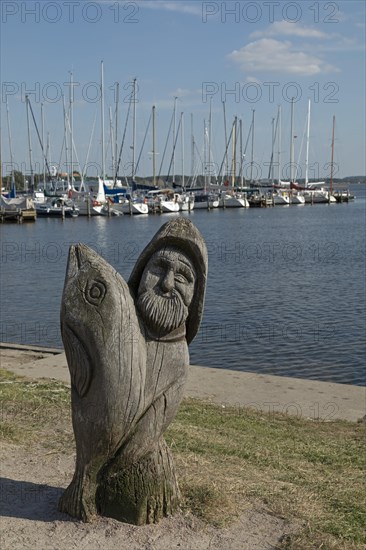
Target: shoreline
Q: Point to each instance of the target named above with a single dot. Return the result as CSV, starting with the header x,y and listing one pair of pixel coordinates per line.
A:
x,y
313,400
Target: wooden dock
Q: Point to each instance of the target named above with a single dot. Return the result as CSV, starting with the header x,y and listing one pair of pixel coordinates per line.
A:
x,y
18,215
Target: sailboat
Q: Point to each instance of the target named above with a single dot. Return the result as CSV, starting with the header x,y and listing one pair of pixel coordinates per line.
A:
x,y
89,204
281,195
295,196
314,192
340,195
233,198
204,199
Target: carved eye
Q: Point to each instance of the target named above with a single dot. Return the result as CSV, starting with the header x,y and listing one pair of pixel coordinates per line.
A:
x,y
95,292
180,278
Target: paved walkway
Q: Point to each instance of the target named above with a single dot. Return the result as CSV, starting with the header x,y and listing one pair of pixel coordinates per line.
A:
x,y
322,401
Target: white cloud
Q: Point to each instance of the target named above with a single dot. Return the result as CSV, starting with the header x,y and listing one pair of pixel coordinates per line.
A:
x,y
190,8
250,79
272,55
285,28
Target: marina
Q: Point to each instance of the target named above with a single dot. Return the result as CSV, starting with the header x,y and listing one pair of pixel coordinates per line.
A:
x,y
285,294
123,201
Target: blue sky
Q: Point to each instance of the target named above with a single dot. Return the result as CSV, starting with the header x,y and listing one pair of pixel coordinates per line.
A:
x,y
249,55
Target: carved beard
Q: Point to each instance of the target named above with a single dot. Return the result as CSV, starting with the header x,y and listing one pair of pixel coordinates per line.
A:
x,y
162,314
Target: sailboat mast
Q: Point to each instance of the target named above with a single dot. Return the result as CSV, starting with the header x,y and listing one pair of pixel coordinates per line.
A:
x,y
182,146
279,144
10,146
29,144
48,150
102,117
66,140
241,152
192,147
205,153
134,130
174,129
307,147
71,130
116,135
209,141
226,169
270,172
332,158
111,132
153,145
44,156
252,153
292,143
233,168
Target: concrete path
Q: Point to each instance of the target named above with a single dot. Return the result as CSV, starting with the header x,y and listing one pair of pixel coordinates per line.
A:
x,y
321,401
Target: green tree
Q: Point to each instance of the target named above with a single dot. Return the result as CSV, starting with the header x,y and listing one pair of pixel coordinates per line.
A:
x,y
18,178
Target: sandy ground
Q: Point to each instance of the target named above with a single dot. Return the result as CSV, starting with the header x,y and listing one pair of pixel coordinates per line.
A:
x,y
31,485
33,481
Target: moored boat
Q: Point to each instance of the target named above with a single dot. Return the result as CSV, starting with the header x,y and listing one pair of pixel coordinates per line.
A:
x,y
17,209
343,195
297,198
233,200
130,205
57,208
186,202
205,201
281,197
163,201
320,195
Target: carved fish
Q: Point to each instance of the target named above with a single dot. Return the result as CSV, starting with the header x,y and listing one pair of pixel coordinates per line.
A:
x,y
106,355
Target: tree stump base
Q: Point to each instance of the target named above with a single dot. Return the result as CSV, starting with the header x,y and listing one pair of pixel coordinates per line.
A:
x,y
142,492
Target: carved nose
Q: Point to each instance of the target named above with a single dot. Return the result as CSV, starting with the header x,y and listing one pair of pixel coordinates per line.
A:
x,y
167,283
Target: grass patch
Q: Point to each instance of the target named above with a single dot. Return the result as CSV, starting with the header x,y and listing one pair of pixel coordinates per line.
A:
x,y
310,473
35,412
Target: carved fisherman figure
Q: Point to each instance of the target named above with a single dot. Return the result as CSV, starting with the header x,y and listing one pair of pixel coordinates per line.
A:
x,y
127,351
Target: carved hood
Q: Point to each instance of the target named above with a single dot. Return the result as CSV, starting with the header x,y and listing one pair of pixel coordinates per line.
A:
x,y
183,235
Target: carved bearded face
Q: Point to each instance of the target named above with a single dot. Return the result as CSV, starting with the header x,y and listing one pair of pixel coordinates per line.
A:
x,y
166,290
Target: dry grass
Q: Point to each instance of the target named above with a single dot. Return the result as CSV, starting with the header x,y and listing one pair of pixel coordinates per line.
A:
x,y
310,473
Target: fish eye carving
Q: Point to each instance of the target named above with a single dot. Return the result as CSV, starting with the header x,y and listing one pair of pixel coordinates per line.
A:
x,y
95,292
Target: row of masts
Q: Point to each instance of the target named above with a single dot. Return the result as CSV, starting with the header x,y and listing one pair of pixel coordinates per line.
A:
x,y
70,146
236,135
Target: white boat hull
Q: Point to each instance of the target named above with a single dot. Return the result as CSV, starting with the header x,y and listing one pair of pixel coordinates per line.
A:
x,y
186,204
229,201
205,202
169,206
318,197
87,208
297,199
281,200
134,208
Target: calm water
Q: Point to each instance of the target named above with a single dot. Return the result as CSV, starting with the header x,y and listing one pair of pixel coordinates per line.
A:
x,y
285,295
